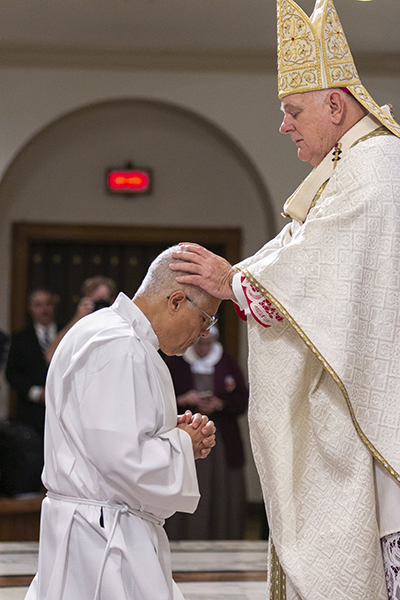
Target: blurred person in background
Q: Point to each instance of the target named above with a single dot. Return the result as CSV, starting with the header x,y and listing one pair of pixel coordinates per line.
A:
x,y
21,437
26,367
97,292
3,347
209,380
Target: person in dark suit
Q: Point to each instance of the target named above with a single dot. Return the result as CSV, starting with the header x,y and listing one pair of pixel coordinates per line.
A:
x,y
3,347
4,343
26,367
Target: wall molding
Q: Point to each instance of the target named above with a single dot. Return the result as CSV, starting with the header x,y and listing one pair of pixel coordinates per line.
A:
x,y
82,57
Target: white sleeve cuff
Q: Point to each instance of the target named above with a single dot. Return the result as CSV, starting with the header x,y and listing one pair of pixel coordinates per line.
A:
x,y
237,289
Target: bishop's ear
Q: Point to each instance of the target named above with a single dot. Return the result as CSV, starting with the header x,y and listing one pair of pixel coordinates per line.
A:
x,y
337,106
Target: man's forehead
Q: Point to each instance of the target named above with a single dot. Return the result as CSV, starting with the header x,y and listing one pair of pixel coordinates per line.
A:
x,y
41,297
293,101
213,305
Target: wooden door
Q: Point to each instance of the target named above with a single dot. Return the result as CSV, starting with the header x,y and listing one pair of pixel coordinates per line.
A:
x,y
61,256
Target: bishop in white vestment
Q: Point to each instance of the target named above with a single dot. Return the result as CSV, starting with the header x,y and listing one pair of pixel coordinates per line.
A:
x,y
324,369
323,309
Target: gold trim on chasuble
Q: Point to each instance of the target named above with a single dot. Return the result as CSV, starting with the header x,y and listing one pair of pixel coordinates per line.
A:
x,y
383,130
277,576
378,132
377,455
315,200
318,194
337,151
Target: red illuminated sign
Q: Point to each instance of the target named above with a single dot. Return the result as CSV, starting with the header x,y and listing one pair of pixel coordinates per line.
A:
x,y
129,181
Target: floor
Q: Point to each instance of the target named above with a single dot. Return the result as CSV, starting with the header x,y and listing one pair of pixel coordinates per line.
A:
x,y
203,570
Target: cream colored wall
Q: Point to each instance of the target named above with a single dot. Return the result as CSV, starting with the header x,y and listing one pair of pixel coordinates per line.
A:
x,y
34,98
244,106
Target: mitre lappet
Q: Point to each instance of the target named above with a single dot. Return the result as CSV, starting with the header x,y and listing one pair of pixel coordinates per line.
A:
x,y
313,54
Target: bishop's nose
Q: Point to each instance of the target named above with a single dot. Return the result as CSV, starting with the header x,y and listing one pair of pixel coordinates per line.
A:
x,y
286,125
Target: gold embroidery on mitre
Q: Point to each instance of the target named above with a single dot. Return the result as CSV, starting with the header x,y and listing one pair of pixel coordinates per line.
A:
x,y
338,61
299,64
359,92
313,54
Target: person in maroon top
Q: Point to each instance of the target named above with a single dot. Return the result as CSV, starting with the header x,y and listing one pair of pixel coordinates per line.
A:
x,y
208,379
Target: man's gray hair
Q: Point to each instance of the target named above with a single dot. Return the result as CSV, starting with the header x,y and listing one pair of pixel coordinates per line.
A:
x,y
321,96
160,279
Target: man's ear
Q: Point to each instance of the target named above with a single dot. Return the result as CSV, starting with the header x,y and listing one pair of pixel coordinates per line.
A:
x,y
176,300
337,107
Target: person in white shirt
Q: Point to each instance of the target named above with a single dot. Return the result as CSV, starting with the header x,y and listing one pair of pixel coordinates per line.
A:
x,y
118,460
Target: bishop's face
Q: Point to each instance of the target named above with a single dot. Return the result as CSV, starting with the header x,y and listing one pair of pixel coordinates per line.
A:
x,y
307,119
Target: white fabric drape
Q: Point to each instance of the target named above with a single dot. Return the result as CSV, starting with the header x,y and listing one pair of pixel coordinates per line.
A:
x,y
325,382
111,437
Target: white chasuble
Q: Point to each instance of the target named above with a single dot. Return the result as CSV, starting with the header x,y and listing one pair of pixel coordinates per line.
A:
x,y
116,465
325,382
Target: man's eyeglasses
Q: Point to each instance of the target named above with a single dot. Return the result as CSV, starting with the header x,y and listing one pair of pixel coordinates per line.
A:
x,y
212,319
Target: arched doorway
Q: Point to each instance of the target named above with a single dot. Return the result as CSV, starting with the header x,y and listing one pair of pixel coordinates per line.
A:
x,y
202,179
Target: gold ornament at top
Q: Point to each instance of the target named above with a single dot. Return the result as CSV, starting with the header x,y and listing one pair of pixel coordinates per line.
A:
x,y
313,54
